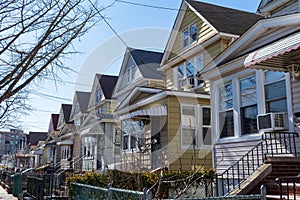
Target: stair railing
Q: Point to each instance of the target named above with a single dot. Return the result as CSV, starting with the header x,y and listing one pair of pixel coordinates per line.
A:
x,y
241,170
272,143
288,187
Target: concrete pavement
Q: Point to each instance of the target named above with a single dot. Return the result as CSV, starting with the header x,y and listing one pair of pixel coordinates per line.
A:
x,y
5,196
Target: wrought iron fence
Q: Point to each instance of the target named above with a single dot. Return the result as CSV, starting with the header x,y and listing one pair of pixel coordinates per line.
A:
x,y
81,191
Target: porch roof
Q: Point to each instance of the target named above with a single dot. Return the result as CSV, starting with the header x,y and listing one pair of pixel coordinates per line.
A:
x,y
278,55
154,111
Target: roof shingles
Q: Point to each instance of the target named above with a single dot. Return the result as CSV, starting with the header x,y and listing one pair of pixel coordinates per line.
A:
x,y
226,20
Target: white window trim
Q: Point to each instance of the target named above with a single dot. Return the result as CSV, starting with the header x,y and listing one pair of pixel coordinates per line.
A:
x,y
261,105
177,79
198,127
190,42
204,146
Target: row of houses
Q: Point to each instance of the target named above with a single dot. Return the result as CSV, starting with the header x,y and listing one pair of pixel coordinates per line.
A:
x,y
226,77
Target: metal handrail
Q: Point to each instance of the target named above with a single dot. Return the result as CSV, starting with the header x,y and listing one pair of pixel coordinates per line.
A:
x,y
239,172
271,143
288,181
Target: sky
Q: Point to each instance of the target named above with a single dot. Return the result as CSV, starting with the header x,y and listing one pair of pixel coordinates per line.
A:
x,y
142,27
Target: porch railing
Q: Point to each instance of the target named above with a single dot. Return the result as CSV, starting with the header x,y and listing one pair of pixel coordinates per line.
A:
x,y
272,143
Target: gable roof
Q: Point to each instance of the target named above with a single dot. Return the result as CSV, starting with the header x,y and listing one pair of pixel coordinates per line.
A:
x,y
66,109
147,62
226,20
53,123
35,137
107,84
83,100
245,42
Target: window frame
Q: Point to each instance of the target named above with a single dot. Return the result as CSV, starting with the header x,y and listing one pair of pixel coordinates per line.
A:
x,y
253,104
226,110
189,38
198,127
195,62
275,81
132,136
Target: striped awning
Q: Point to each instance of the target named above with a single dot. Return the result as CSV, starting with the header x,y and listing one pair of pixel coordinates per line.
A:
x,y
275,49
154,111
65,142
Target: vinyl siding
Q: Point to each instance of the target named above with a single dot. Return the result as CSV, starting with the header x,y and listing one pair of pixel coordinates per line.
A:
x,y
289,8
295,84
182,158
77,153
190,18
169,84
227,154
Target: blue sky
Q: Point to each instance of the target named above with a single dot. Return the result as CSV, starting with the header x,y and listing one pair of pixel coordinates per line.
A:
x,y
140,26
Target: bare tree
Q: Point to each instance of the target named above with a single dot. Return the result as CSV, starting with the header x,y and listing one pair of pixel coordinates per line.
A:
x,y
35,38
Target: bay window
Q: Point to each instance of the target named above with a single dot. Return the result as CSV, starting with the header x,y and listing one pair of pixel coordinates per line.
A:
x,y
241,100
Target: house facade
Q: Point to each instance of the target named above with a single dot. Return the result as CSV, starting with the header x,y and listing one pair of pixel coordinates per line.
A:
x,y
100,132
248,82
138,80
51,148
198,36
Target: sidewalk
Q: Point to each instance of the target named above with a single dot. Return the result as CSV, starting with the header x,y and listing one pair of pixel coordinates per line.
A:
x,y
5,196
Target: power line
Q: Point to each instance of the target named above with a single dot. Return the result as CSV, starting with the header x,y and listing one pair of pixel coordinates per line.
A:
x,y
107,23
149,6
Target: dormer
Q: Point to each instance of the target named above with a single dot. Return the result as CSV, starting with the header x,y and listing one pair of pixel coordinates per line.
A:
x,y
101,101
139,68
64,115
79,107
53,123
273,8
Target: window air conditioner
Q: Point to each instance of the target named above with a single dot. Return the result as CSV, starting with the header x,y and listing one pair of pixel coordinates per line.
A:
x,y
187,83
272,121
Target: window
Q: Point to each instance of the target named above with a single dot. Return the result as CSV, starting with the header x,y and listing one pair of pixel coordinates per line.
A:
x,y
76,109
98,95
131,73
102,110
188,126
206,126
226,122
275,92
188,70
248,102
133,136
195,132
189,35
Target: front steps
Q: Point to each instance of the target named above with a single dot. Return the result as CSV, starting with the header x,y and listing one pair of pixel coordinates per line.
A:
x,y
280,167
